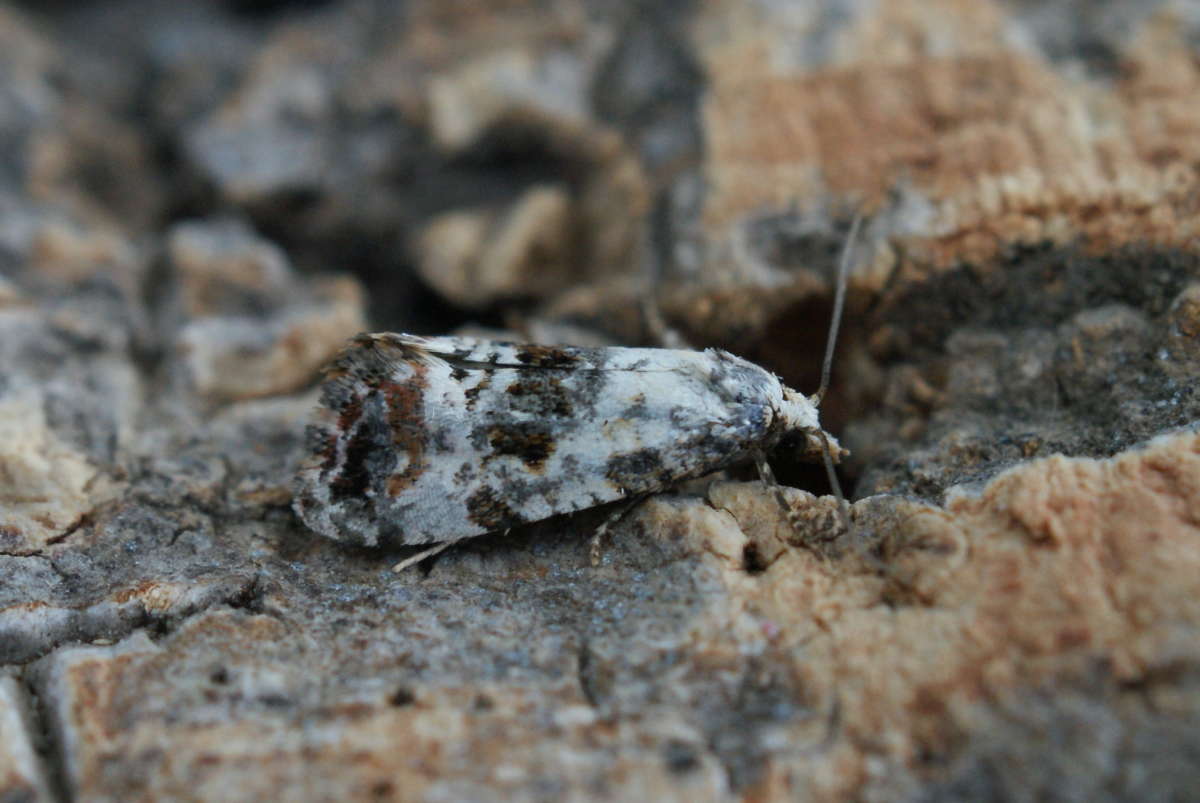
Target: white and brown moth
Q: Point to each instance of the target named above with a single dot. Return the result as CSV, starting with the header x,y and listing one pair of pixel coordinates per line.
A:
x,y
425,440
430,440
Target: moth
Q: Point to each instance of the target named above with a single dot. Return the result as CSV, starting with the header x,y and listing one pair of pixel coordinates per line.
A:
x,y
430,440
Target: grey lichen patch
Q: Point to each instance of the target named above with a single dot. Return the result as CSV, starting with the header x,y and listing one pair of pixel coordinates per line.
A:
x,y
1054,352
47,486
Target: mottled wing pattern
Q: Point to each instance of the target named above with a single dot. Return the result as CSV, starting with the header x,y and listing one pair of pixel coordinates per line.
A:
x,y
424,440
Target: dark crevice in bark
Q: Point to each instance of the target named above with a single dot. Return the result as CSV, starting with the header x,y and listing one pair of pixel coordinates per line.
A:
x,y
247,596
46,735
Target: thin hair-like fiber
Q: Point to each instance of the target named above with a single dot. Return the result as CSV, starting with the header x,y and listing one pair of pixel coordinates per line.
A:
x,y
839,303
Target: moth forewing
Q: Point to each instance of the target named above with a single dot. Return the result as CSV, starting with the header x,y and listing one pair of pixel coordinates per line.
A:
x,y
427,440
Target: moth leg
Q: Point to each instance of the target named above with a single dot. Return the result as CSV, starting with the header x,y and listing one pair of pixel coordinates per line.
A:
x,y
768,479
833,722
596,547
843,506
793,516
420,556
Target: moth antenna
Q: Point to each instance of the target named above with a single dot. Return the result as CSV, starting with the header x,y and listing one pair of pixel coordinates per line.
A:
x,y
839,303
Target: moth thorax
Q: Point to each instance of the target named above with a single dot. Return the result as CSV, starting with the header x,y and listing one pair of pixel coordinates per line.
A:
x,y
796,412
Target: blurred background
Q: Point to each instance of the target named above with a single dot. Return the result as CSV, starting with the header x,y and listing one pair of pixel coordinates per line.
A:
x,y
463,161
201,201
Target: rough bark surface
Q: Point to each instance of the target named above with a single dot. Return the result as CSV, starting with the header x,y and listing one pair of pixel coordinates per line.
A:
x,y
200,202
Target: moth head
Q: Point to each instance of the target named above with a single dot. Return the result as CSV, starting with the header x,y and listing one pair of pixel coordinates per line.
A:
x,y
797,413
799,423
